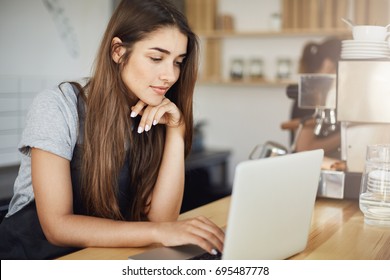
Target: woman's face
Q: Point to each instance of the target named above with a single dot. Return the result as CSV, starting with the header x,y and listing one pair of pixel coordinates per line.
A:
x,y
154,64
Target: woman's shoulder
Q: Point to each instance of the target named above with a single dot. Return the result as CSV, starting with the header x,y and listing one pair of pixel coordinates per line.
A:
x,y
62,98
63,95
52,120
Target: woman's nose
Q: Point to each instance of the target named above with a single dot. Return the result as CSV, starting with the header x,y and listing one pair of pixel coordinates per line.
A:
x,y
170,73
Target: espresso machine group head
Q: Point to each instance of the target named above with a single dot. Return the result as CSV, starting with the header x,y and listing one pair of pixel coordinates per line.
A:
x,y
318,92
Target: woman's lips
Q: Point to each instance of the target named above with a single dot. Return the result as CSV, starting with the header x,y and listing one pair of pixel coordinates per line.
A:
x,y
160,90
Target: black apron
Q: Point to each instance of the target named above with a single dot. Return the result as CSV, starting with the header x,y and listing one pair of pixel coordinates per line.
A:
x,y
21,235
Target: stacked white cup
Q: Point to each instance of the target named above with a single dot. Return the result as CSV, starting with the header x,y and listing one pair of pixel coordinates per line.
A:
x,y
369,42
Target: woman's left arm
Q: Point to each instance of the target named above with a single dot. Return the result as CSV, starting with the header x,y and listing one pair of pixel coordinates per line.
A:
x,y
168,191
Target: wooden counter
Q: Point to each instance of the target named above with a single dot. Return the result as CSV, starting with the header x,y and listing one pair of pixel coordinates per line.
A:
x,y
338,232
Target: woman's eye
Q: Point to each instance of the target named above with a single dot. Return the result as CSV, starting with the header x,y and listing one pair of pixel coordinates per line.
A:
x,y
155,58
179,63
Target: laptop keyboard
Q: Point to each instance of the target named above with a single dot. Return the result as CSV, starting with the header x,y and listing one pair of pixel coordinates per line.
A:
x,y
207,256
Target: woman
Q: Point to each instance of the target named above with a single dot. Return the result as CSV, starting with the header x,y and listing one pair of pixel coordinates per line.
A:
x,y
103,163
318,58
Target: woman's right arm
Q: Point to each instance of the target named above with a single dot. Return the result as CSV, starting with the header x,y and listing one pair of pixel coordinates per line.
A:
x,y
52,186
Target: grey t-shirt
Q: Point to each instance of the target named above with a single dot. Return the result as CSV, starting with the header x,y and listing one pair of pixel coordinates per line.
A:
x,y
51,125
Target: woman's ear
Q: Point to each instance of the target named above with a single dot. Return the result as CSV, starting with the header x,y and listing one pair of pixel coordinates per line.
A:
x,y
116,49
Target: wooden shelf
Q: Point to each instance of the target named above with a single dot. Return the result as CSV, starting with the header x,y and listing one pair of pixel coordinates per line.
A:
x,y
282,33
213,41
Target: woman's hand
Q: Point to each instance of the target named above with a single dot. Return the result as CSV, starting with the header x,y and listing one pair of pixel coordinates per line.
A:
x,y
165,113
198,231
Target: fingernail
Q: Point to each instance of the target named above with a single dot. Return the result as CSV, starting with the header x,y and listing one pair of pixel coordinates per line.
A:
x,y
133,114
214,252
147,127
154,122
140,129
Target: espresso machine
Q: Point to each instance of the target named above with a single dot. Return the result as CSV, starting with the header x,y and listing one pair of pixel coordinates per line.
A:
x,y
319,93
358,98
363,110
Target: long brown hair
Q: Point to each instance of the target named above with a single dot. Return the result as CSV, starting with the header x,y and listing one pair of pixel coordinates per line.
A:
x,y
108,135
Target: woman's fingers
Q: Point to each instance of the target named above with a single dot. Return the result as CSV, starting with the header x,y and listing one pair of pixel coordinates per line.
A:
x,y
198,231
147,119
137,108
140,108
217,231
164,113
168,114
210,233
207,240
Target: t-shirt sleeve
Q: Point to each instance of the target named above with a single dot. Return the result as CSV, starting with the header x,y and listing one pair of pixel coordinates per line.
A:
x,y
51,124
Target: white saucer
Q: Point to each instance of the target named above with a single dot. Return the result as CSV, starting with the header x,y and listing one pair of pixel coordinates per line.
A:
x,y
364,57
362,53
369,48
366,50
364,43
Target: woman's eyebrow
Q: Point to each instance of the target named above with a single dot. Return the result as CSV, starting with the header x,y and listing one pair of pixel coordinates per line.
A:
x,y
166,51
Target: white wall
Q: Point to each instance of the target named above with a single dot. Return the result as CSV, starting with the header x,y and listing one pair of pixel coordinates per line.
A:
x,y
240,118
32,40
39,47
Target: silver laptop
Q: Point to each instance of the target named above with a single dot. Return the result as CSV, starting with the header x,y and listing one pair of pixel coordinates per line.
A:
x,y
270,211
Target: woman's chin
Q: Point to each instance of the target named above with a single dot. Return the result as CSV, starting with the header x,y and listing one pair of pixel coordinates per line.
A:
x,y
154,101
